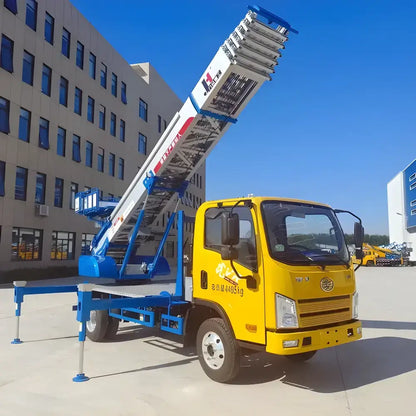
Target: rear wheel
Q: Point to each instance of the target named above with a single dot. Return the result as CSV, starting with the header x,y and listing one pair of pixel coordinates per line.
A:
x,y
370,263
112,326
303,356
218,351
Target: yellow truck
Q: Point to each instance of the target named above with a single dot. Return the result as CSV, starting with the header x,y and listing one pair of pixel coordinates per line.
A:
x,y
270,274
267,274
378,256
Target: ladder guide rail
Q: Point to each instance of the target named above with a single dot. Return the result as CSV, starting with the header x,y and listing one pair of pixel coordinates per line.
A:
x,y
237,71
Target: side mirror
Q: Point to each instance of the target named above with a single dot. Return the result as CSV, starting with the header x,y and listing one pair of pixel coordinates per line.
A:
x,y
229,253
230,229
358,234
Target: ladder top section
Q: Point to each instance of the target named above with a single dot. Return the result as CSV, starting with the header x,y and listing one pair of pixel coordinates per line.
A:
x,y
272,18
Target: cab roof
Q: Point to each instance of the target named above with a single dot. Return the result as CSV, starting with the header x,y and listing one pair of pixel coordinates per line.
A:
x,y
257,200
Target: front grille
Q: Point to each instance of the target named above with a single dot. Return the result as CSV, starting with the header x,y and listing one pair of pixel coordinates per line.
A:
x,y
317,312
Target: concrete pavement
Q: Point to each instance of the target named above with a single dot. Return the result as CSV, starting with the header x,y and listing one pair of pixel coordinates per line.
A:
x,y
144,373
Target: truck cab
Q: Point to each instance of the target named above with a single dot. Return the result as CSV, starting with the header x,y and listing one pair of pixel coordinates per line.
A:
x,y
278,276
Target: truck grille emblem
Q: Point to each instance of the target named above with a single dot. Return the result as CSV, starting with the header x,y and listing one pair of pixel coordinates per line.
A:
x,y
327,284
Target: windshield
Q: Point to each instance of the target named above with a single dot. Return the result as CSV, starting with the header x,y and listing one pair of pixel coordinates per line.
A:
x,y
303,234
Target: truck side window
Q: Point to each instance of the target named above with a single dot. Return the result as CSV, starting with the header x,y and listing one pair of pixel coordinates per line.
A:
x,y
247,253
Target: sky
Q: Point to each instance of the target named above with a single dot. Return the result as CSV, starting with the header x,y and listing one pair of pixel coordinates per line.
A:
x,y
336,123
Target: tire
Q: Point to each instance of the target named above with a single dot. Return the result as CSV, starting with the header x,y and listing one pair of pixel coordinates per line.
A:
x,y
370,263
218,351
303,356
112,326
97,325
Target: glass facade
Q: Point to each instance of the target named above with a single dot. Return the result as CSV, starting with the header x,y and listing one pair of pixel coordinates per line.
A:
x,y
63,245
43,133
6,55
49,28
40,188
20,188
26,244
24,125
28,67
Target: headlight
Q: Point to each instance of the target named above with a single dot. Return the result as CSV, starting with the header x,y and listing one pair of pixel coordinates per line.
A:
x,y
355,305
286,316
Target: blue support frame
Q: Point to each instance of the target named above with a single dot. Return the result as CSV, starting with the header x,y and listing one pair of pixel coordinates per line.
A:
x,y
20,291
101,265
137,305
131,244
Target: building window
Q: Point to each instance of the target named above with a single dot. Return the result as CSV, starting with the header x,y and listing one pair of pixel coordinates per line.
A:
x,y
43,133
26,244
159,124
113,121
86,243
103,75
123,92
111,164
73,192
63,245
100,159
59,192
61,142
66,42
40,188
88,153
24,125
4,115
2,177
11,5
170,249
63,92
28,66
101,121
6,56
76,148
121,168
142,143
114,84
412,177
31,13
21,184
46,80
122,130
143,110
90,110
49,28
92,65
80,55
78,101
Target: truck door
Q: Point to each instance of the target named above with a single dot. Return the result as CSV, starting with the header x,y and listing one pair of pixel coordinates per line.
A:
x,y
216,281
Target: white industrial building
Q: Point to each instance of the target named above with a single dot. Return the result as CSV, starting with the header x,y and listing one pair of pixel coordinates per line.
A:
x,y
74,115
401,199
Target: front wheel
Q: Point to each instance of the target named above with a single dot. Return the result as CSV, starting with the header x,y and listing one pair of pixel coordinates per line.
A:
x,y
218,351
97,325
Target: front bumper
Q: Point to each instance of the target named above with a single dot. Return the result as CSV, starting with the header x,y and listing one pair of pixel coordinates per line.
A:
x,y
313,340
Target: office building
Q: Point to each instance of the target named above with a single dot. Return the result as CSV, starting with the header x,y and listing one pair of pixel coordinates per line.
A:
x,y
401,199
74,115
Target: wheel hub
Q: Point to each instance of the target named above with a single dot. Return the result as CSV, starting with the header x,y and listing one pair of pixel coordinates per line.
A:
x,y
92,323
213,350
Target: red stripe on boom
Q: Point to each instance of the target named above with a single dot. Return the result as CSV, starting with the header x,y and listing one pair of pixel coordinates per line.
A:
x,y
169,150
